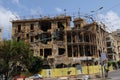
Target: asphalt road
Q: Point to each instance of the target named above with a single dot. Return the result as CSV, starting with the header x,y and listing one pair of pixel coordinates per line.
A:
x,y
114,75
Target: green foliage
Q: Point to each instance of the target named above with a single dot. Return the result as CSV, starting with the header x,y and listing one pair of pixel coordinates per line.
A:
x,y
109,64
12,54
2,67
118,62
114,64
36,65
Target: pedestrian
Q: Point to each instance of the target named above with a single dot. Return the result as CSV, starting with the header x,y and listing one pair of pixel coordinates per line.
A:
x,y
104,62
106,70
103,56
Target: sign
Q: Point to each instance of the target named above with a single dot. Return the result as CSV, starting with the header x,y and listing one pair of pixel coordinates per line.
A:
x,y
103,56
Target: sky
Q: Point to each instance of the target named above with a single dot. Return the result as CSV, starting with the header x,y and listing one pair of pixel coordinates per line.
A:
x,y
19,9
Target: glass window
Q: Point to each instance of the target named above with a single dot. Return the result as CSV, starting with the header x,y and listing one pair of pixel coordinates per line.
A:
x,y
109,50
118,33
108,44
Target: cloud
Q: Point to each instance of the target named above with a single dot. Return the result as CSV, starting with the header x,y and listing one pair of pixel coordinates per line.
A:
x,y
58,9
5,17
111,19
15,2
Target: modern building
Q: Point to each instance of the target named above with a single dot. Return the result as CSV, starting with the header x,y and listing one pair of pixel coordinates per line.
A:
x,y
60,45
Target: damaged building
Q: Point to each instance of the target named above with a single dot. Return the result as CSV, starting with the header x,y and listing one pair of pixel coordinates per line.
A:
x,y
60,44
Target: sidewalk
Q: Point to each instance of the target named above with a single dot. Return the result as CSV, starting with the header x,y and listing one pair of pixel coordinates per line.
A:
x,y
112,75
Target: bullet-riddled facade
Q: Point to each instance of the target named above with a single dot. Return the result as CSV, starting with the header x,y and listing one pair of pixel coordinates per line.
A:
x,y
54,40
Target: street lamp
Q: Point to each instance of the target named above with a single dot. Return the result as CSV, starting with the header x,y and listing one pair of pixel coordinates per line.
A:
x,y
89,16
100,38
65,12
98,9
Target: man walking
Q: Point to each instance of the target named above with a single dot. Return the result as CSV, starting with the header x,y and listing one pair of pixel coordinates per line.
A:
x,y
106,68
104,63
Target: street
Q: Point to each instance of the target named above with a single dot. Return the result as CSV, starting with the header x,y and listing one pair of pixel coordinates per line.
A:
x,y
114,75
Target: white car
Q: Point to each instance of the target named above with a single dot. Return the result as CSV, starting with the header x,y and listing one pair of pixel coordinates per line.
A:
x,y
36,76
63,78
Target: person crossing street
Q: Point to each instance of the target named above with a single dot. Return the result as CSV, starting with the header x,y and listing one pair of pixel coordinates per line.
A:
x,y
106,70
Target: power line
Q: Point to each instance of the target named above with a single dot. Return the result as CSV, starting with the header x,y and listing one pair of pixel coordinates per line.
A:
x,y
112,7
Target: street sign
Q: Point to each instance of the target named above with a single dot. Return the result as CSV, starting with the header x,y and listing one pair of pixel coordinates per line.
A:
x,y
103,56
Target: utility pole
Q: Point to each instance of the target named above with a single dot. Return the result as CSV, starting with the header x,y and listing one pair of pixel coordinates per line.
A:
x,y
100,39
65,12
79,13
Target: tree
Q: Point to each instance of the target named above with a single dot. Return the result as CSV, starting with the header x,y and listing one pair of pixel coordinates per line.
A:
x,y
14,56
36,65
118,62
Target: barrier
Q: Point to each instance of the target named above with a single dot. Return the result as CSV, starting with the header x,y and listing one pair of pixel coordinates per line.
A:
x,y
59,72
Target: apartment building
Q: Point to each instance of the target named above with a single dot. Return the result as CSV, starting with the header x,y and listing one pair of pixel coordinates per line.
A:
x,y
117,32
60,44
112,47
117,37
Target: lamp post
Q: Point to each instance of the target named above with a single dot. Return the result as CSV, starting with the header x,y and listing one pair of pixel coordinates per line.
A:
x,y
100,39
97,11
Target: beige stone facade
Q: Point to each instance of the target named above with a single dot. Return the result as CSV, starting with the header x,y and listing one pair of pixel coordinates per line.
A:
x,y
116,35
54,40
112,47
117,32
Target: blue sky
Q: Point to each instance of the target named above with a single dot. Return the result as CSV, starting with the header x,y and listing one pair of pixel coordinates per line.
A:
x,y
14,9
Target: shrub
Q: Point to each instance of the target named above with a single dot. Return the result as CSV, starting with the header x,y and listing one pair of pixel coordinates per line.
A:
x,y
109,64
118,62
114,64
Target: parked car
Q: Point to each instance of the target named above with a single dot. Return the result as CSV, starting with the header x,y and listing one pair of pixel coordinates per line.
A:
x,y
36,77
63,78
